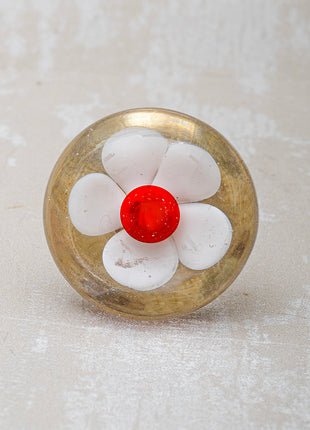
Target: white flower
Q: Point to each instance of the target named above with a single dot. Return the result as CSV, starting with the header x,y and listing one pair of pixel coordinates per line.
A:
x,y
134,157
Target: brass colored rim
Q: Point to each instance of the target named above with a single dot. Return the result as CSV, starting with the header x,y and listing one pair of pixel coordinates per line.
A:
x,y
78,257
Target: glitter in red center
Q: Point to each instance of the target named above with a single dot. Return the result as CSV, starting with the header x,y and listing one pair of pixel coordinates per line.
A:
x,y
150,214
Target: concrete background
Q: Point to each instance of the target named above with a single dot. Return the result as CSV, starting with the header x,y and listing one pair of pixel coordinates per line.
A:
x,y
243,361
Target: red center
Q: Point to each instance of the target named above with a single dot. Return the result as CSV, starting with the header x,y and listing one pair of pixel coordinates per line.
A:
x,y
150,214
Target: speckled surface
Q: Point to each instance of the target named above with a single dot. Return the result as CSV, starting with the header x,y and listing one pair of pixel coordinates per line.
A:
x,y
243,361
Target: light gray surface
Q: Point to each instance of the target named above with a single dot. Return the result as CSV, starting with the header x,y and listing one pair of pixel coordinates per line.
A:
x,y
243,361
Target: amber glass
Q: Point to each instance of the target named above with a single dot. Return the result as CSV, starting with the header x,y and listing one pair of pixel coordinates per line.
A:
x,y
79,257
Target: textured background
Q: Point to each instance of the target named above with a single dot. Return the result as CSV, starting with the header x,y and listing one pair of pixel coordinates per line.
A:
x,y
243,361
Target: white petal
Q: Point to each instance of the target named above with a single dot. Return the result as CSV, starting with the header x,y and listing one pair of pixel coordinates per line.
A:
x,y
94,204
133,155
203,235
138,265
189,173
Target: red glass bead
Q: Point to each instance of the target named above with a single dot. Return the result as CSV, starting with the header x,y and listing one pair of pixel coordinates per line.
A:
x,y
150,214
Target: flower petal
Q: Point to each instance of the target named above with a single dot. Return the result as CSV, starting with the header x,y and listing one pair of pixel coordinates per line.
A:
x,y
138,265
132,156
94,204
203,235
189,173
